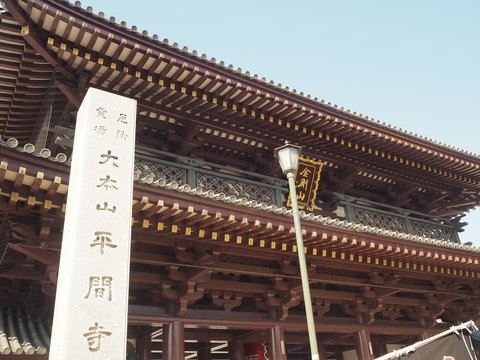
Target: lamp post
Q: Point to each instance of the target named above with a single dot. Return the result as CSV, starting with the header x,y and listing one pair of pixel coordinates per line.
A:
x,y
288,158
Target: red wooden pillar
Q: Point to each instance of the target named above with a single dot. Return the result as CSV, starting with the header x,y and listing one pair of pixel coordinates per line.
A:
x,y
322,350
379,345
276,343
204,352
173,341
363,345
339,355
164,342
236,350
144,347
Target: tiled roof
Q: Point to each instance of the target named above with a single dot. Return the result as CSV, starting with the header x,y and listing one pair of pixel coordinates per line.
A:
x,y
259,206
310,217
21,334
262,80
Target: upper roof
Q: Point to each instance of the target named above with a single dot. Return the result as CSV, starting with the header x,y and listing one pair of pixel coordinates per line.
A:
x,y
195,106
262,80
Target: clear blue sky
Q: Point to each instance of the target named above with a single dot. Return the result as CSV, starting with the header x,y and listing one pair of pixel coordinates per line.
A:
x,y
411,64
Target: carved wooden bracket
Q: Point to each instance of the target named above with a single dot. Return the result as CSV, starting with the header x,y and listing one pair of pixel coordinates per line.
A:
x,y
470,309
364,308
445,284
282,301
188,294
384,277
197,255
426,313
321,306
367,308
180,293
45,227
391,312
48,288
288,266
169,290
184,254
52,273
226,299
23,232
434,299
181,286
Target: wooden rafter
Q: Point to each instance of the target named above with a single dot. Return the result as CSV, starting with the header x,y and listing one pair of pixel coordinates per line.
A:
x,y
30,33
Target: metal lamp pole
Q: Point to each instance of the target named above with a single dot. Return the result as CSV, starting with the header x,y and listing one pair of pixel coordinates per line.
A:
x,y
288,158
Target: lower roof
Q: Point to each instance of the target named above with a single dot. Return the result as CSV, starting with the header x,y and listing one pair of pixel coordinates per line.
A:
x,y
22,334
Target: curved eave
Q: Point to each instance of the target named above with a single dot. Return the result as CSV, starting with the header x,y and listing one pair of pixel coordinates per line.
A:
x,y
221,70
201,215
124,61
25,79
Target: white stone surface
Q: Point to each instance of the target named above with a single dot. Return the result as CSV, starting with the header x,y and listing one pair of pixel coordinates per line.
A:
x,y
90,319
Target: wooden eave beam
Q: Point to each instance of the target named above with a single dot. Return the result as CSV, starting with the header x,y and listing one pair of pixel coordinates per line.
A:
x,y
6,27
30,75
158,108
461,203
13,39
22,273
216,157
31,33
384,291
144,315
206,337
71,94
43,255
21,90
449,212
383,252
48,257
17,49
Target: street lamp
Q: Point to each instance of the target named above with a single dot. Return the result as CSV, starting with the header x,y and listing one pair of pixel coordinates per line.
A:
x,y
288,158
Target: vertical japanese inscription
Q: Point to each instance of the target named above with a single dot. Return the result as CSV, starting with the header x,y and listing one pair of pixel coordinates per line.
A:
x,y
101,287
103,239
109,157
306,181
303,183
94,336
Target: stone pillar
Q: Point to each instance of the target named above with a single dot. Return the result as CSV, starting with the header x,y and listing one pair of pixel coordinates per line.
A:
x,y
144,348
363,345
90,318
276,343
236,350
173,341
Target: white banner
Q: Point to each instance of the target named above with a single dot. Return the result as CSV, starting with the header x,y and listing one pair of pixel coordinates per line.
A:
x,y
90,319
